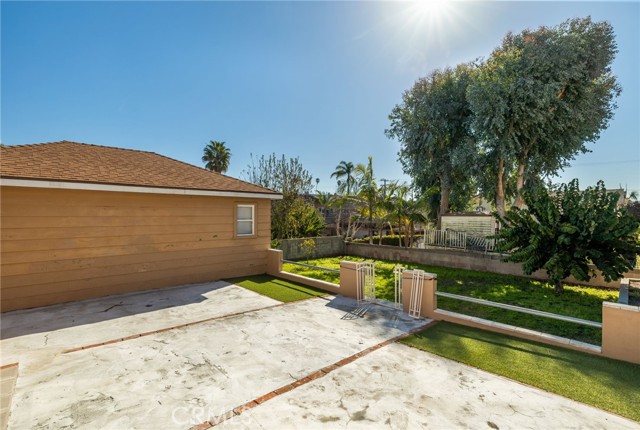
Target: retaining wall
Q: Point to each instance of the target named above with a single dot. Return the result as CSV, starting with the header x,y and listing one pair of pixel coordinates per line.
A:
x,y
326,246
464,260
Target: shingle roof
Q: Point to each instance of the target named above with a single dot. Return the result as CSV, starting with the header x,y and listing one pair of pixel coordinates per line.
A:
x,y
80,162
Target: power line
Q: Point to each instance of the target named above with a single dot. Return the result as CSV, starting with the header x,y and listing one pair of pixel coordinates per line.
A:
x,y
605,162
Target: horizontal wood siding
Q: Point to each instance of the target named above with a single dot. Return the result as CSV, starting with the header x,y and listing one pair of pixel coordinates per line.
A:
x,y
66,245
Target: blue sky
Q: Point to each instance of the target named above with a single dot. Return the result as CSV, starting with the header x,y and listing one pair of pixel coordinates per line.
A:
x,y
310,79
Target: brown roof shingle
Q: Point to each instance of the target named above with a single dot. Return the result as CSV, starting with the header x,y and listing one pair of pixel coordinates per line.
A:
x,y
80,162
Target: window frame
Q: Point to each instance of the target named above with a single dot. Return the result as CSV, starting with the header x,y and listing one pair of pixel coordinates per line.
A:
x,y
253,219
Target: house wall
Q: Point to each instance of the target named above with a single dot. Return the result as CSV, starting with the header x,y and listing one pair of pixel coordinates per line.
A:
x,y
66,245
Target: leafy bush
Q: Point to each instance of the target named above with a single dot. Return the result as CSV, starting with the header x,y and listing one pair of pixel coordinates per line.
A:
x,y
308,248
564,231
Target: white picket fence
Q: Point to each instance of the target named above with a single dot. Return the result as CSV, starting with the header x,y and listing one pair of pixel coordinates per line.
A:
x,y
457,240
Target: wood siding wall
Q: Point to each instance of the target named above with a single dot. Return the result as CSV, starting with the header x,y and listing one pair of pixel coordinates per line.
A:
x,y
65,245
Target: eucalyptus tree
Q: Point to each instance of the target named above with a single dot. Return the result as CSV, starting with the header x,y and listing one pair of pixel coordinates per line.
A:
x,y
216,156
432,125
539,98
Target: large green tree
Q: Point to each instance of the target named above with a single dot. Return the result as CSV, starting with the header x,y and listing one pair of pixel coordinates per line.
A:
x,y
432,126
539,99
565,230
293,216
216,156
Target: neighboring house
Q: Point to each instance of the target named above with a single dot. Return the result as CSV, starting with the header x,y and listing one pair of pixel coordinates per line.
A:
x,y
476,224
81,221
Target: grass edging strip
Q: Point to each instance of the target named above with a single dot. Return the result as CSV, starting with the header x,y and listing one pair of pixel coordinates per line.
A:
x,y
277,288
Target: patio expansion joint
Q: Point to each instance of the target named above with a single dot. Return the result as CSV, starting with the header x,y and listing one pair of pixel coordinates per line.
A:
x,y
175,327
304,380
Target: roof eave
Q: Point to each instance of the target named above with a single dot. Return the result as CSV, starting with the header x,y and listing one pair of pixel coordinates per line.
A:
x,y
89,186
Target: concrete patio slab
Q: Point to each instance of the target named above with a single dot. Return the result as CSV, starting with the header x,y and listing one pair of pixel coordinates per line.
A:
x,y
8,375
43,332
400,387
320,363
175,378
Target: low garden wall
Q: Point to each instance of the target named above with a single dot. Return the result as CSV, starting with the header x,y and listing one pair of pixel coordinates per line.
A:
x,y
620,322
463,260
326,246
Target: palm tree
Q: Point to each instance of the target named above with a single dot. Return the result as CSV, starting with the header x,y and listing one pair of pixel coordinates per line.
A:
x,y
368,192
386,197
407,213
345,169
216,156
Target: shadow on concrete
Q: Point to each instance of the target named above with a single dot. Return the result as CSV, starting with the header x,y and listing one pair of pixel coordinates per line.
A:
x,y
383,316
65,315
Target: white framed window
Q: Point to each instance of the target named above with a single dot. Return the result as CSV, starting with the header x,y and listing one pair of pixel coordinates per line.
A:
x,y
245,220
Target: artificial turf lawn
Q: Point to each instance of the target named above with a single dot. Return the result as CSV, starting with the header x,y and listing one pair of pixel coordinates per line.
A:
x,y
607,384
277,289
575,301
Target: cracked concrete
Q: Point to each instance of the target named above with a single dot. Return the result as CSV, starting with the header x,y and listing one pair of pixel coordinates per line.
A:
x,y
172,379
399,387
185,376
49,330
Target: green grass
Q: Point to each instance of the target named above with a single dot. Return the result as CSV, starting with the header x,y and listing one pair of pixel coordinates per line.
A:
x,y
602,382
576,301
277,289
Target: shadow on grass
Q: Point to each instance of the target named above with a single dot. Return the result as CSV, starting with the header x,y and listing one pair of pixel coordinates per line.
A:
x,y
500,343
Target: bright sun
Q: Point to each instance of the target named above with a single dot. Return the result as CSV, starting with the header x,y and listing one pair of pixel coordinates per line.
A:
x,y
431,10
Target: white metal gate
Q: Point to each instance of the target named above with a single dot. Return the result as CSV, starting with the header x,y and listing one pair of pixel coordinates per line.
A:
x,y
366,285
398,272
415,301
366,281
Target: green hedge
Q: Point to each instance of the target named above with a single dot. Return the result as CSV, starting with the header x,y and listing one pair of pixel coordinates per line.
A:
x,y
386,240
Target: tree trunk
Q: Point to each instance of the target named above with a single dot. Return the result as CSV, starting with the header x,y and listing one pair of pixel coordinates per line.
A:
x,y
411,234
519,203
338,220
522,165
500,206
371,229
445,191
558,287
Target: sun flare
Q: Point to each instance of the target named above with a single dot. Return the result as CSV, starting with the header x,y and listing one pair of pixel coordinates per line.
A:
x,y
431,10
